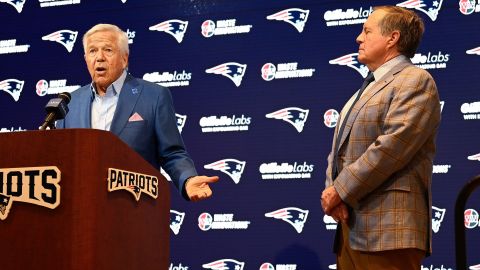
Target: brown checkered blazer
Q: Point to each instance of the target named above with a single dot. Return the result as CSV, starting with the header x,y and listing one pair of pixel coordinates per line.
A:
x,y
385,161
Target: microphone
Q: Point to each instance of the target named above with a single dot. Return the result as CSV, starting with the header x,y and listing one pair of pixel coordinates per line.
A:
x,y
56,109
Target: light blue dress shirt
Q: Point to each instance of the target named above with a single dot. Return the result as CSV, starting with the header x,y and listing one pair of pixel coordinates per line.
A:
x,y
103,107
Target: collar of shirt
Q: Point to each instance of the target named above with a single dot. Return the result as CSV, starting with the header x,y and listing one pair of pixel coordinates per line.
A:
x,y
104,107
387,66
384,69
114,89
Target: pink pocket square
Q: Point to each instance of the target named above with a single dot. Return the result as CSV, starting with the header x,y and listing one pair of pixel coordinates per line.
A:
x,y
135,117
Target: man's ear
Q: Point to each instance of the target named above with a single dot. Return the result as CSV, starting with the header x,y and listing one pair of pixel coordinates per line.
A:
x,y
125,60
393,38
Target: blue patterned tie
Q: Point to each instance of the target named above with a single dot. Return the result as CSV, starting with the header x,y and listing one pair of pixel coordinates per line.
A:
x,y
366,82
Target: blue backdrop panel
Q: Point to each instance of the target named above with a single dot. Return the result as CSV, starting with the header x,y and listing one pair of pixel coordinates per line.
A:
x,y
237,70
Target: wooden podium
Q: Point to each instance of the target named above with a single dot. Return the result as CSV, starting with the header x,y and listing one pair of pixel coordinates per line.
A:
x,y
91,228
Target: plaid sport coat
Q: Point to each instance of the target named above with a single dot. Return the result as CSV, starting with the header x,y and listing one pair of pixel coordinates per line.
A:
x,y
385,161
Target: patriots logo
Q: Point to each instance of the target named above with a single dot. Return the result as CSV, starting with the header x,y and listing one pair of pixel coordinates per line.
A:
x,y
5,204
135,190
224,264
474,157
65,37
474,51
176,220
233,71
294,16
17,4
231,167
180,121
13,87
176,28
293,115
429,7
134,183
351,60
293,215
437,218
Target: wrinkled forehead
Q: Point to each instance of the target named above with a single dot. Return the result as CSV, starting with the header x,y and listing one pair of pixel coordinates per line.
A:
x,y
102,38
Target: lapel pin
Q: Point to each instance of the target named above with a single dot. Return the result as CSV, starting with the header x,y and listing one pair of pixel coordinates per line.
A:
x,y
134,91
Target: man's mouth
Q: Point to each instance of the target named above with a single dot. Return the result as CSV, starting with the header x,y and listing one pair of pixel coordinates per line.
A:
x,y
100,69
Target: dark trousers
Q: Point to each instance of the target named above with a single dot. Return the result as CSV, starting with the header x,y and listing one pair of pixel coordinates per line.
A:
x,y
399,259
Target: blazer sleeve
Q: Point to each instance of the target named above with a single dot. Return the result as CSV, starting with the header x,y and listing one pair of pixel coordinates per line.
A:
x,y
412,117
174,158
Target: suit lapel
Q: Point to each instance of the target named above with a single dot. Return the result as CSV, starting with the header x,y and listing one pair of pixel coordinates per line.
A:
x,y
85,108
129,95
377,87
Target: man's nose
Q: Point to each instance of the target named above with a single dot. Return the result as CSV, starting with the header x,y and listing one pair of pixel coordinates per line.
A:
x,y
359,38
100,57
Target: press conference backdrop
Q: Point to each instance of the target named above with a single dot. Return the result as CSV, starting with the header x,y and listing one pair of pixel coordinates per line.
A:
x,y
257,87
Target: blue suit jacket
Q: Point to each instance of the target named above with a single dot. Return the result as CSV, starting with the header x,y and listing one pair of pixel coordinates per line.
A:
x,y
156,138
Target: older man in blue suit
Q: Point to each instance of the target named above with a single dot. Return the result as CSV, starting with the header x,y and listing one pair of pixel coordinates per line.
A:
x,y
138,112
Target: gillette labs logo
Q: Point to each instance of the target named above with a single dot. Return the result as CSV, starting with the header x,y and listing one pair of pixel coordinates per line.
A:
x,y
471,111
168,79
285,170
12,129
224,123
431,60
339,17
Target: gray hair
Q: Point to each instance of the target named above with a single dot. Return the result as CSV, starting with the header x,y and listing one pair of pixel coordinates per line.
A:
x,y
122,37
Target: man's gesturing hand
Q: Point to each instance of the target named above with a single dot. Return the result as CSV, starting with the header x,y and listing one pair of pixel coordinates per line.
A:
x,y
197,187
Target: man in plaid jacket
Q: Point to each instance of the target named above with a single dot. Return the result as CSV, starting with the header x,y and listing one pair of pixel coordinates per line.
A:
x,y
378,182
